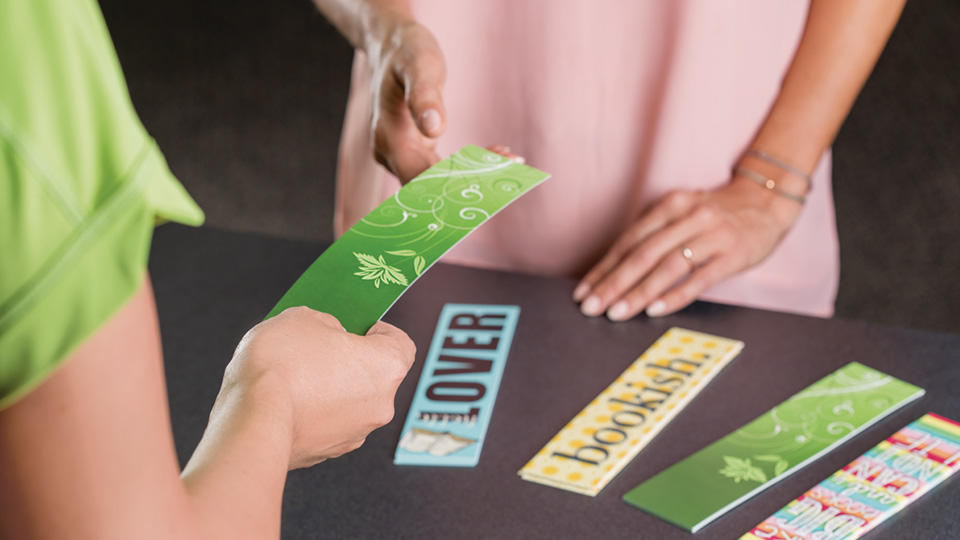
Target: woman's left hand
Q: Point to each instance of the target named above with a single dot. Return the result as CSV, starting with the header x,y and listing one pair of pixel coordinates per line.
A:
x,y
682,245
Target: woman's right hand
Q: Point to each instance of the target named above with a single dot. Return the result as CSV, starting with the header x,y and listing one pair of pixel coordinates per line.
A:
x,y
332,387
408,73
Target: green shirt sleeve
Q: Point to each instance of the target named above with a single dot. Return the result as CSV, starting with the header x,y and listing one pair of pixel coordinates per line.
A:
x,y
81,187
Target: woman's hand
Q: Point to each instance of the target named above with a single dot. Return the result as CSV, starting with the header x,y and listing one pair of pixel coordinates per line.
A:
x,y
682,245
407,77
332,387
407,85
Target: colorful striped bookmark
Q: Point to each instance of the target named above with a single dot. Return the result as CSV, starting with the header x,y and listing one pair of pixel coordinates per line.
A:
x,y
872,488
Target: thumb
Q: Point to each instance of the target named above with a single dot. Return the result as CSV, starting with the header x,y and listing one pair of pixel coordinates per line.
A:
x,y
423,86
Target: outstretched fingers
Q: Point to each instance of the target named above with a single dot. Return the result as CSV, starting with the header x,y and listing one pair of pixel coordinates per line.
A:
x,y
672,207
679,266
685,292
647,264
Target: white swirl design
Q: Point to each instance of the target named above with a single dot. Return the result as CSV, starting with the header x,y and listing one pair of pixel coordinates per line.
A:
x,y
507,185
472,192
839,428
473,214
404,216
846,406
451,198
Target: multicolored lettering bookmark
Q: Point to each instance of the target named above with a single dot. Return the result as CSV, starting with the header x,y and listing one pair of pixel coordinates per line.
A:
x,y
709,483
593,447
454,400
873,487
363,273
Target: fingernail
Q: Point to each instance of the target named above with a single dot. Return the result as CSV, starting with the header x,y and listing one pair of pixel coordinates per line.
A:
x,y
591,307
656,309
619,311
430,120
520,159
581,291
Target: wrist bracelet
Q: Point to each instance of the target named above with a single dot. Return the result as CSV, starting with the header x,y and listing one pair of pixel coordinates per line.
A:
x,y
781,164
768,183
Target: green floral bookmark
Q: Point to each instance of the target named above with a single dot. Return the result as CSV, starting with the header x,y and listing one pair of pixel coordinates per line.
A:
x,y
698,489
363,273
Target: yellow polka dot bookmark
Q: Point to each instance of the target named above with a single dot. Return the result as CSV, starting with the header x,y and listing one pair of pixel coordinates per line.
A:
x,y
599,442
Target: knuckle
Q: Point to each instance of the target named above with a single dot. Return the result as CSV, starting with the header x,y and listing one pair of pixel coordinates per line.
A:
x,y
636,259
255,331
628,241
677,265
408,350
704,213
385,415
678,198
634,231
613,285
231,374
711,274
300,312
725,236
357,444
403,367
310,315
640,296
294,311
399,352
254,338
325,318
647,288
398,371
607,263
423,93
636,297
431,55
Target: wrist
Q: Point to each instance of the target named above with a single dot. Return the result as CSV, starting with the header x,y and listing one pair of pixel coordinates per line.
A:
x,y
258,408
384,25
779,193
240,465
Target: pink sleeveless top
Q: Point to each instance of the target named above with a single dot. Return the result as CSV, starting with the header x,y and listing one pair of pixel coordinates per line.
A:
x,y
621,102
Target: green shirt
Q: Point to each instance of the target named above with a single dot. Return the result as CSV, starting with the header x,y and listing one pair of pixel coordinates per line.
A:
x,y
81,187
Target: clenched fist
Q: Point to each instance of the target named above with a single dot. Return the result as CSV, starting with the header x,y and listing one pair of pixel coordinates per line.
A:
x,y
333,387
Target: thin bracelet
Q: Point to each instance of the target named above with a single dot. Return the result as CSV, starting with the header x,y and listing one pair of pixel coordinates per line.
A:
x,y
768,183
781,164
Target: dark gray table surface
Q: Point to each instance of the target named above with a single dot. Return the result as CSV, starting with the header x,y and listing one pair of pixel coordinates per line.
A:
x,y
211,286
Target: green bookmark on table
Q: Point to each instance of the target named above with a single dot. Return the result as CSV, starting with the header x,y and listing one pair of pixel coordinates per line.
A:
x,y
363,273
709,483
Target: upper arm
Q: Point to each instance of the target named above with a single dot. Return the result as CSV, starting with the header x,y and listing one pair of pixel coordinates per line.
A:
x,y
85,443
89,453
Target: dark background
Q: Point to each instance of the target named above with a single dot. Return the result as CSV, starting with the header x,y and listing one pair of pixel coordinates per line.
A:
x,y
246,100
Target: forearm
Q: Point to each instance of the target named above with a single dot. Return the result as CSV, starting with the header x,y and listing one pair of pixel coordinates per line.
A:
x,y
365,23
841,42
102,454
